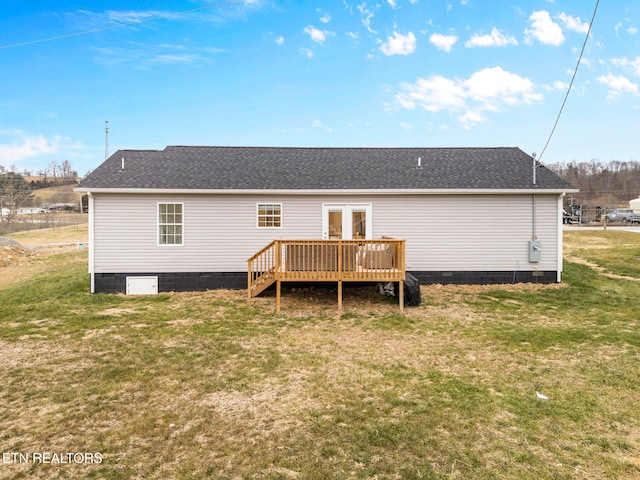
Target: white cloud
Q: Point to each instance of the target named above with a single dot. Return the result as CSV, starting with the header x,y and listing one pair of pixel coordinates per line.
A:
x,y
573,23
618,86
406,126
145,56
393,4
471,117
132,16
317,35
443,42
557,85
307,52
434,94
319,124
21,146
353,35
367,16
326,18
625,62
279,40
617,27
495,39
399,44
495,87
487,90
632,30
189,59
543,29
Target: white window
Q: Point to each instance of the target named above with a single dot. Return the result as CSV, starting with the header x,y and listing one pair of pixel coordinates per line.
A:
x,y
269,215
170,223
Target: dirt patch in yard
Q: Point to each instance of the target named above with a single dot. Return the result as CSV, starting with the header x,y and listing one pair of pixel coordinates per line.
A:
x,y
21,253
14,259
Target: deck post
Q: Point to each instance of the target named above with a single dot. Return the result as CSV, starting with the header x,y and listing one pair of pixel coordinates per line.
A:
x,y
278,291
278,259
249,278
401,295
340,275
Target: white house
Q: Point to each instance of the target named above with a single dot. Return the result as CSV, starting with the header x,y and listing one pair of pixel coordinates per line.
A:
x,y
188,218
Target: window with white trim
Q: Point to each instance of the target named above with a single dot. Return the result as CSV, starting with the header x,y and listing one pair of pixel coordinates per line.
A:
x,y
170,223
269,215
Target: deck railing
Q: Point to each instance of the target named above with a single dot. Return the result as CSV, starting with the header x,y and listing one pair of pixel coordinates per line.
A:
x,y
326,260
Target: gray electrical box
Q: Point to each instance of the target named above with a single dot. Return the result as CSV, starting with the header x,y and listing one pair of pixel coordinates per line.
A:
x,y
534,251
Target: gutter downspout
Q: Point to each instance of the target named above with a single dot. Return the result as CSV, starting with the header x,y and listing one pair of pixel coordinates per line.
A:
x,y
91,242
534,235
560,241
533,198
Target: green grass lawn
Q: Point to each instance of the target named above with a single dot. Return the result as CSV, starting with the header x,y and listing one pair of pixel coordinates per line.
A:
x,y
212,385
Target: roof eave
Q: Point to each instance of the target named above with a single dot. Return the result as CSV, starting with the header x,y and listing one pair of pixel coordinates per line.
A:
x,y
393,191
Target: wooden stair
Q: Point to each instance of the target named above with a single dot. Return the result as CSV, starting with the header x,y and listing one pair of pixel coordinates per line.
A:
x,y
263,282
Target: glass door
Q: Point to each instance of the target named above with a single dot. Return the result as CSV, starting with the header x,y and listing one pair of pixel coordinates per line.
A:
x,y
346,221
335,225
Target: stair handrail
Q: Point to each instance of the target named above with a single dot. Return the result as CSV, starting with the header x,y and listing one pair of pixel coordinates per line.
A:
x,y
266,261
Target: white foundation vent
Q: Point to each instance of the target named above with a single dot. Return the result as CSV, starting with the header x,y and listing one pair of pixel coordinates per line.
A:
x,y
142,285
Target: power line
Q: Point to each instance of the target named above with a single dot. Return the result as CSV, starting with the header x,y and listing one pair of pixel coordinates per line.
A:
x,y
119,25
575,72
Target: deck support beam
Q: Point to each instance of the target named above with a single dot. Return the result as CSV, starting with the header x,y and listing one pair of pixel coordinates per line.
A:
x,y
340,295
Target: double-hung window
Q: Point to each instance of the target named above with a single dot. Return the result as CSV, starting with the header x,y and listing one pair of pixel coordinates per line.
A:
x,y
170,223
269,215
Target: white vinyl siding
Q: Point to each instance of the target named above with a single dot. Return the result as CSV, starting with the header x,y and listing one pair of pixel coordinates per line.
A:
x,y
443,232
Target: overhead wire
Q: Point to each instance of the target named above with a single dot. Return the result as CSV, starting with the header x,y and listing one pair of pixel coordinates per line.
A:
x,y
575,72
118,25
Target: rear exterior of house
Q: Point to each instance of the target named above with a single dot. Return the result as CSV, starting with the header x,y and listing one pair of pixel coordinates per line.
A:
x,y
188,218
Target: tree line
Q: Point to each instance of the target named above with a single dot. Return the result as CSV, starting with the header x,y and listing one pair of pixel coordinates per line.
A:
x,y
606,185
53,169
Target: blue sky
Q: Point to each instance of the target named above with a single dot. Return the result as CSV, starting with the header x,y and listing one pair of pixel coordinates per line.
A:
x,y
388,73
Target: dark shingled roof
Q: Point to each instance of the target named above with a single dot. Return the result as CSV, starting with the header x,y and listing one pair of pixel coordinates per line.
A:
x,y
274,168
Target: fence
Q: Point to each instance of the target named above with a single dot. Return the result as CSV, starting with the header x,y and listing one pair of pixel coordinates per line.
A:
x,y
28,222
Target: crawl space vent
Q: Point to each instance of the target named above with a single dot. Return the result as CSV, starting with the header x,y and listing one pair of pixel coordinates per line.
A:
x,y
142,285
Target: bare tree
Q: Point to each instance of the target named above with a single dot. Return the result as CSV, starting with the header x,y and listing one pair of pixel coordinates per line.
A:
x,y
14,192
67,170
54,168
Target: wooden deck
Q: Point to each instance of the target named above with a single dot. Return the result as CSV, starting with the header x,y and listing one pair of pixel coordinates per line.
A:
x,y
327,261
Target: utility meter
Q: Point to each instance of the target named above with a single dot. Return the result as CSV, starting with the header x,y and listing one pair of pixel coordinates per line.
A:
x,y
534,251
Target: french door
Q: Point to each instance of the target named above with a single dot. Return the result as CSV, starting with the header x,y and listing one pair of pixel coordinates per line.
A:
x,y
342,221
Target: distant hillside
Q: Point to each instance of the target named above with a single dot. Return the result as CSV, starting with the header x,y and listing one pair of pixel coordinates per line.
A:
x,y
59,194
39,182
